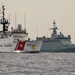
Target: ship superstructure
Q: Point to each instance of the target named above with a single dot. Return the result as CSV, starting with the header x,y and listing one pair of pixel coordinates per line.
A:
x,y
19,33
57,42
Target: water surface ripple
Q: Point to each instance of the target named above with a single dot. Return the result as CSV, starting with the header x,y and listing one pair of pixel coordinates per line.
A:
x,y
37,63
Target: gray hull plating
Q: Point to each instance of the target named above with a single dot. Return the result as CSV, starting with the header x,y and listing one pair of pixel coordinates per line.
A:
x,y
56,47
49,47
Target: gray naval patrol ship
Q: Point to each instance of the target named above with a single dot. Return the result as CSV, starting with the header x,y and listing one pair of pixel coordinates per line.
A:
x,y
57,42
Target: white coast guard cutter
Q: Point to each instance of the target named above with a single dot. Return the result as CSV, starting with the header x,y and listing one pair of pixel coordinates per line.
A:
x,y
17,39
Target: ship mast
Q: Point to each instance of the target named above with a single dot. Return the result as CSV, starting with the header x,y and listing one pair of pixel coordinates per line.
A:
x,y
54,34
4,21
55,28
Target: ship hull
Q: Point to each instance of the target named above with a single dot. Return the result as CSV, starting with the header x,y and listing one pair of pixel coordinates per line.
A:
x,y
56,47
7,45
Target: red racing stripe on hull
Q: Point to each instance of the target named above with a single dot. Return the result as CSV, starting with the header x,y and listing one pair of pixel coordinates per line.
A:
x,y
20,45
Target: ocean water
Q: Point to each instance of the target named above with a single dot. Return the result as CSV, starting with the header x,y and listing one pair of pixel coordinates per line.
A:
x,y
37,63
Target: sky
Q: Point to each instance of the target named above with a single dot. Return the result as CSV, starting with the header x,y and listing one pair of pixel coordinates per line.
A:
x,y
40,15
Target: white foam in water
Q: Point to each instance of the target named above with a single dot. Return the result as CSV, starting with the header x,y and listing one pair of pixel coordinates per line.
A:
x,y
17,51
